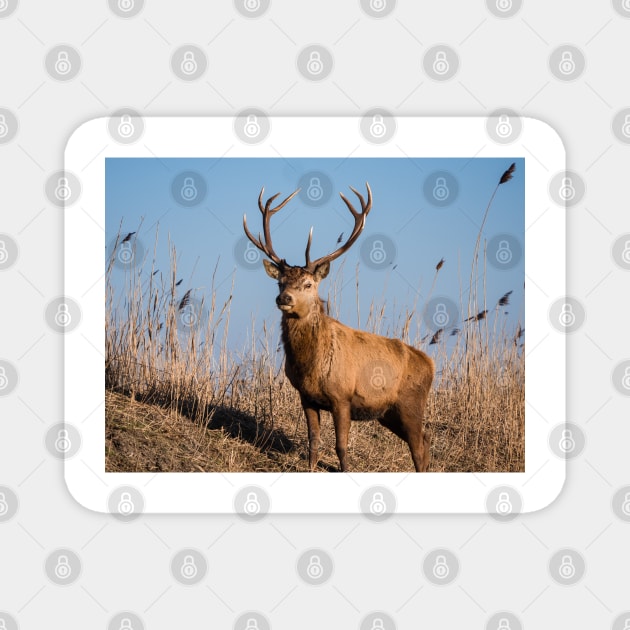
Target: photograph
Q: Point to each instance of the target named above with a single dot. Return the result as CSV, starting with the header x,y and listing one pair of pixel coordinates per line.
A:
x,y
314,314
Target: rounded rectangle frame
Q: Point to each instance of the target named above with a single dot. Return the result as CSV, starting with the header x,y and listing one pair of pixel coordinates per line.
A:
x,y
464,137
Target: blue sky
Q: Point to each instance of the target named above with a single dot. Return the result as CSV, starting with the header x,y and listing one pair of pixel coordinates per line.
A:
x,y
423,210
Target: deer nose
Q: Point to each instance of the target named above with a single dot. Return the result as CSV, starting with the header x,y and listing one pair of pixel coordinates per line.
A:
x,y
284,299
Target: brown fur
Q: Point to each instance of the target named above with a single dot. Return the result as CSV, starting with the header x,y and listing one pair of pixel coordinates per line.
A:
x,y
352,374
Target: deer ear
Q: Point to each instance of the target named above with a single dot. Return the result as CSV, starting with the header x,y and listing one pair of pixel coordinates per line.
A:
x,y
321,271
272,269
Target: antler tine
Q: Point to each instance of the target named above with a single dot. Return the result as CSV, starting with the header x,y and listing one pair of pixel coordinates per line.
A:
x,y
307,253
267,211
359,224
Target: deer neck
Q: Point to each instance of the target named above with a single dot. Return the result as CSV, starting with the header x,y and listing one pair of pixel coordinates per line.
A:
x,y
305,338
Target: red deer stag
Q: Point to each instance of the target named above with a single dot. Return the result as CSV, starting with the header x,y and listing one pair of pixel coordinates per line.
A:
x,y
350,373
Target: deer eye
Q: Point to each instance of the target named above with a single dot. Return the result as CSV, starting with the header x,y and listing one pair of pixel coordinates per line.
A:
x,y
308,285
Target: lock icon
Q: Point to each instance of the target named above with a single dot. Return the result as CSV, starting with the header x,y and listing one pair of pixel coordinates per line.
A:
x,y
189,190
503,624
504,5
125,253
440,317
4,507
4,254
504,253
567,63
378,255
626,7
567,190
189,568
63,570
626,623
63,443
625,255
378,378
125,505
188,316
377,505
378,624
440,190
252,504
567,316
62,316
63,191
504,126
315,570
377,127
378,5
314,64
4,381
567,443
440,63
625,506
125,126
504,505
4,5
314,191
252,5
625,381
62,64
440,568
252,624
252,126
189,63
126,5
4,128
567,568
251,255
125,624
625,128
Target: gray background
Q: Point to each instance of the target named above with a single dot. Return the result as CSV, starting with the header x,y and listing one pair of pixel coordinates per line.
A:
x,y
503,61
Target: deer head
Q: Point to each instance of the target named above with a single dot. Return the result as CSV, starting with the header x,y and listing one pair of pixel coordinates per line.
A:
x,y
298,285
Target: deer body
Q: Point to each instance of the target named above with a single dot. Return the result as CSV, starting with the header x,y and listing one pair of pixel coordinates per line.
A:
x,y
350,373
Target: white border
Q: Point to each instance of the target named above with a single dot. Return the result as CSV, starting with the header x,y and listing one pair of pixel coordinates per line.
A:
x,y
85,155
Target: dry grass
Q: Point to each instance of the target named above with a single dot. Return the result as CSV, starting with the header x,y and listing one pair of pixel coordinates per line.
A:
x,y
178,399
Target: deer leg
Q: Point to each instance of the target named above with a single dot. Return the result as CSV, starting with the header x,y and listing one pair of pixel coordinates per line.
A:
x,y
407,425
312,423
341,417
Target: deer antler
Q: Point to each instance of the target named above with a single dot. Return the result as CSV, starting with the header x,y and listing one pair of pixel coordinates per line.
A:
x,y
359,224
267,211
